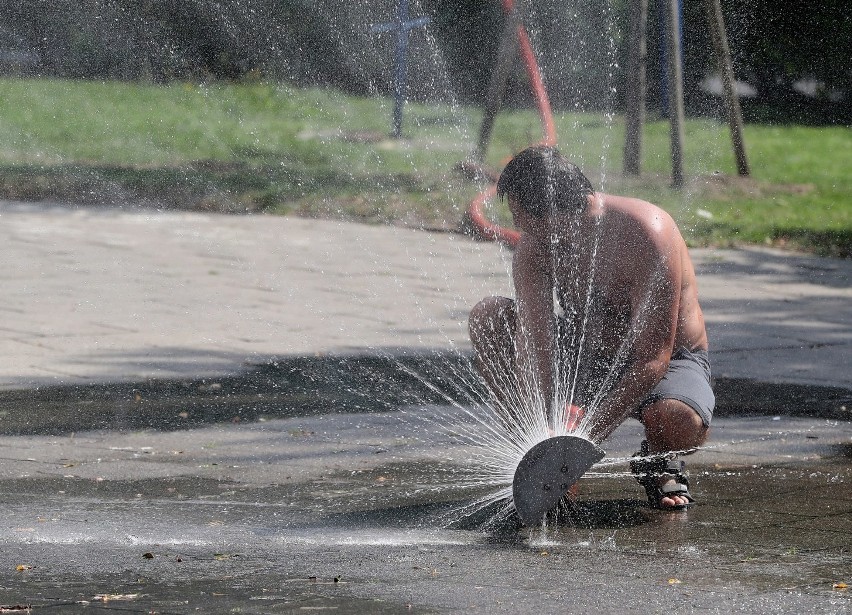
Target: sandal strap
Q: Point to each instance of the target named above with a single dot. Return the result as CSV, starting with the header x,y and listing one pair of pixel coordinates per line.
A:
x,y
676,489
644,462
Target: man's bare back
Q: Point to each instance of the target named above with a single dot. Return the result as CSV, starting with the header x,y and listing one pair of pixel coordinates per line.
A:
x,y
635,245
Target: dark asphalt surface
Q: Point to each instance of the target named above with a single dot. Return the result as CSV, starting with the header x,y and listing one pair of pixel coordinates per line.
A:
x,y
361,513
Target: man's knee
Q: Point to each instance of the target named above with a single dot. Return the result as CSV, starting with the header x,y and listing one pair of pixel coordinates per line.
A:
x,y
491,317
673,425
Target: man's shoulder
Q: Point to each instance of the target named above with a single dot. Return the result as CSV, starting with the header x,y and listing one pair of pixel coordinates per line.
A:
x,y
631,206
648,216
640,218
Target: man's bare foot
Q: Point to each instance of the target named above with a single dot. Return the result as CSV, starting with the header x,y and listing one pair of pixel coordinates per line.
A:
x,y
674,501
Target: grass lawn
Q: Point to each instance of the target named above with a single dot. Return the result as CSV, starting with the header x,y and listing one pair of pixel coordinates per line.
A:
x,y
315,152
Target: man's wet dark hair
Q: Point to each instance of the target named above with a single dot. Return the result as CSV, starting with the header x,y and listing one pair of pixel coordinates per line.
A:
x,y
542,181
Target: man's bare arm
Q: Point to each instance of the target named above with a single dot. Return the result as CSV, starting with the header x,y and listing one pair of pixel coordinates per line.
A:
x,y
654,314
534,334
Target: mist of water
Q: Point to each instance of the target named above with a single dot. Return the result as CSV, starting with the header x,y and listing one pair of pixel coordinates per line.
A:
x,y
499,430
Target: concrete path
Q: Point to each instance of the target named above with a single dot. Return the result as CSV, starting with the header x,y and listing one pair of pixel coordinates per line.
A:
x,y
104,296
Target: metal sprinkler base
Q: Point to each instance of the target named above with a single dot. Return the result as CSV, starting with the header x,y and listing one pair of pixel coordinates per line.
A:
x,y
547,471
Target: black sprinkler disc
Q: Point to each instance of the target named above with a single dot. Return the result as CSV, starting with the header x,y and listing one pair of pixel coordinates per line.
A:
x,y
547,471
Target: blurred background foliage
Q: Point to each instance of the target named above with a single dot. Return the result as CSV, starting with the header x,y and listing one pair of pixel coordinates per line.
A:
x,y
794,54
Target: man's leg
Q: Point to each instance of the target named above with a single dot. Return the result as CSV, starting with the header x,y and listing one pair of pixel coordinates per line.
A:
x,y
492,326
671,425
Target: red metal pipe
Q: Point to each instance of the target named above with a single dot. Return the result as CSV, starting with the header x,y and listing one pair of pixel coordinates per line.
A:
x,y
484,228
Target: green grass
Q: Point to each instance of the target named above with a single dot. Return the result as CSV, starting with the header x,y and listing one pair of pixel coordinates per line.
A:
x,y
315,152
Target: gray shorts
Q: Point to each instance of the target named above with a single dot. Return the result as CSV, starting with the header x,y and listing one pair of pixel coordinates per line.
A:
x,y
687,379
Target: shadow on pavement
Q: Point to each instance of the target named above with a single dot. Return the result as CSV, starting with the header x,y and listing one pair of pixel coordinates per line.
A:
x,y
306,386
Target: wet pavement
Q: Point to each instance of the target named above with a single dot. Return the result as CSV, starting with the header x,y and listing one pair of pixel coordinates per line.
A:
x,y
362,513
204,413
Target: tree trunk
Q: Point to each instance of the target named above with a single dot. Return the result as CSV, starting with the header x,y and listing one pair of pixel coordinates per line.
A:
x,y
732,102
497,85
676,114
636,87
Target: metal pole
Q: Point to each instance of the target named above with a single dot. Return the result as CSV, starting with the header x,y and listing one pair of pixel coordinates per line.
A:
x,y
401,26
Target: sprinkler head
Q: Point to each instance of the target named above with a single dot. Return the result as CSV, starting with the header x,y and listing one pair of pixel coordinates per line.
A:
x,y
560,460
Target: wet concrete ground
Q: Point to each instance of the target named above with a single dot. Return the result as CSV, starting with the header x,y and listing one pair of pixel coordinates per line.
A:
x,y
361,513
208,491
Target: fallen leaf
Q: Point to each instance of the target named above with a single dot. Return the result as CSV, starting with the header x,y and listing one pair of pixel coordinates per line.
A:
x,y
675,581
22,567
108,597
840,586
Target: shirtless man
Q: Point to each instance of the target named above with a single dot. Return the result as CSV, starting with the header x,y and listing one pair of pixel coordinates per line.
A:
x,y
605,282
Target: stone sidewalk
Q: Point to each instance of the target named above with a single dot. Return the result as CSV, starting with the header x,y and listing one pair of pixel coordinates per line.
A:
x,y
96,295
